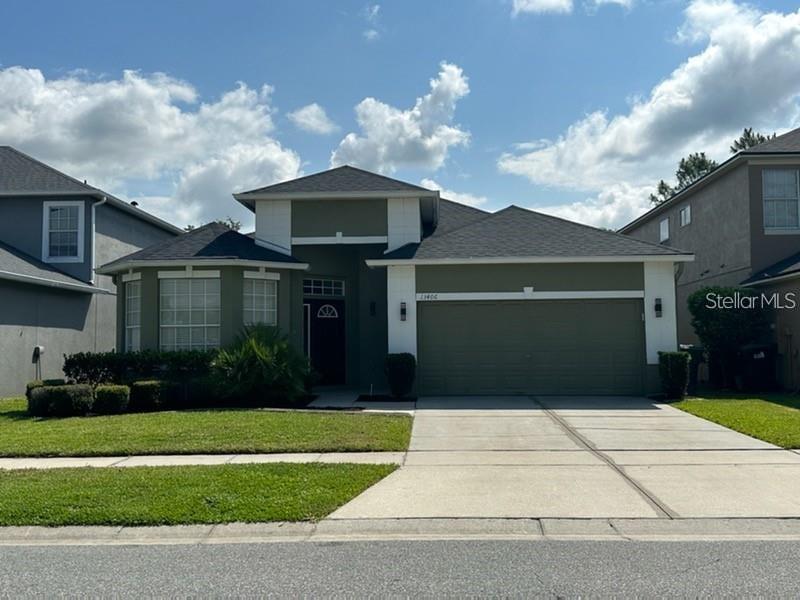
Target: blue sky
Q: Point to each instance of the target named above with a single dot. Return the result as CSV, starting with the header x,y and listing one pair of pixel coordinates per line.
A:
x,y
604,96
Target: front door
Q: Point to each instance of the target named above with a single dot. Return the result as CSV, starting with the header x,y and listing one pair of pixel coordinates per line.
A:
x,y
325,338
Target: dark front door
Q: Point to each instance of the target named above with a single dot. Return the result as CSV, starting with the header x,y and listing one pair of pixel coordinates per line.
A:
x,y
324,336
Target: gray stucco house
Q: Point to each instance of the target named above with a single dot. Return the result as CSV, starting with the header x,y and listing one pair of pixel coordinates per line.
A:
x,y
352,265
54,230
742,222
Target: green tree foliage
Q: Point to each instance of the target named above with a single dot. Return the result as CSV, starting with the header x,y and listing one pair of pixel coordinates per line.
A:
x,y
748,139
690,169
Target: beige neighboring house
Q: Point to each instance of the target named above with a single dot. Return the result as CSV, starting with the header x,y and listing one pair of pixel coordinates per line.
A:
x,y
742,222
352,265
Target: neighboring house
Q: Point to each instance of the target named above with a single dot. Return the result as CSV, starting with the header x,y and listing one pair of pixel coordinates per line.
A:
x,y
351,265
742,222
53,231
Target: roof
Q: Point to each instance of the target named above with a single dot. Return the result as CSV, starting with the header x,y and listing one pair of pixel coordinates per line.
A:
x,y
213,243
341,182
23,175
516,232
19,266
453,215
788,143
789,266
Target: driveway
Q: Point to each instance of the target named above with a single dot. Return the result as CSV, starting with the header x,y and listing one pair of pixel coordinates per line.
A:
x,y
557,457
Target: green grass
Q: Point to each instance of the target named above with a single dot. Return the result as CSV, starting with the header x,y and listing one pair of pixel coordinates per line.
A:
x,y
199,432
774,418
181,495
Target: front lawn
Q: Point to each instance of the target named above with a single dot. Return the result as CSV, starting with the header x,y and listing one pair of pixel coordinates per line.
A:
x,y
230,431
774,418
181,495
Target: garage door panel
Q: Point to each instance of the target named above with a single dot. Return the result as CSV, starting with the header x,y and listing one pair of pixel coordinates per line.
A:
x,y
534,347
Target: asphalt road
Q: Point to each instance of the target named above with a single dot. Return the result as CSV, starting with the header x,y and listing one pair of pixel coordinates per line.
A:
x,y
405,568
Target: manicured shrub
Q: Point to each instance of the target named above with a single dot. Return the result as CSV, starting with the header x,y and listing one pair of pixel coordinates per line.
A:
x,y
724,329
673,367
36,383
95,368
400,371
261,367
61,400
111,399
150,395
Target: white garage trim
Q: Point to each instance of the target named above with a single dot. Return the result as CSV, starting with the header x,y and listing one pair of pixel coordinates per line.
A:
x,y
661,333
528,295
401,287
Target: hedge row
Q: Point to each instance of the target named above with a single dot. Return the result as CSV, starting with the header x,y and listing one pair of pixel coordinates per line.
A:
x,y
54,398
95,368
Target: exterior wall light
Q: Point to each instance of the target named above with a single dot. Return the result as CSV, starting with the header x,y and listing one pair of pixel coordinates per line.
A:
x,y
658,307
402,311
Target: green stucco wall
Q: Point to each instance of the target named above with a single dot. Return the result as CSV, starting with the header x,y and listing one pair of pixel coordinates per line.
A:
x,y
542,277
316,218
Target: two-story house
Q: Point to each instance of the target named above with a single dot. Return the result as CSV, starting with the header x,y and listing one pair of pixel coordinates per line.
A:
x,y
54,230
742,222
352,265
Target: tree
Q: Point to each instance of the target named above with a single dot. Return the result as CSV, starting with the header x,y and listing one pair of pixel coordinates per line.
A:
x,y
748,139
690,169
228,222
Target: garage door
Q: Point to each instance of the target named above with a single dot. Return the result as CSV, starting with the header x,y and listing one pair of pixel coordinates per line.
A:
x,y
531,347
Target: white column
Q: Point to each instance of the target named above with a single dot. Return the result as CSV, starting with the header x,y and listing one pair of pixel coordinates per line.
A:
x,y
661,333
404,222
401,286
274,225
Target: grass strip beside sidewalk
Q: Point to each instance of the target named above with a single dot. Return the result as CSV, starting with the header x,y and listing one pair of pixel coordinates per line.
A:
x,y
229,431
181,495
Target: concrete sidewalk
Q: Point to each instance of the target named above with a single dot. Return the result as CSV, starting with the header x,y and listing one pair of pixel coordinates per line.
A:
x,y
202,459
686,530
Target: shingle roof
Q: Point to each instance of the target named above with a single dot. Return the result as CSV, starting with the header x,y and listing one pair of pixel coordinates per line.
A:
x,y
15,264
340,179
518,232
453,215
788,142
22,173
787,266
214,241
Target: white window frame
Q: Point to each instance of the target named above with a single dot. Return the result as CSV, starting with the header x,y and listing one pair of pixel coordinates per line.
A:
x,y
46,206
685,215
663,230
326,285
252,315
778,229
129,329
205,325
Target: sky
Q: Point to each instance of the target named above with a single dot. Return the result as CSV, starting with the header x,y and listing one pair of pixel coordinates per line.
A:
x,y
572,107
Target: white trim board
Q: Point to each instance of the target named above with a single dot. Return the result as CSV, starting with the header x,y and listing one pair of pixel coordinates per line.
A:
x,y
189,274
126,277
178,264
339,239
668,258
77,287
262,275
527,295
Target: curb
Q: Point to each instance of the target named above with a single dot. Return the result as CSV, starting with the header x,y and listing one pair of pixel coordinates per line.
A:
x,y
353,530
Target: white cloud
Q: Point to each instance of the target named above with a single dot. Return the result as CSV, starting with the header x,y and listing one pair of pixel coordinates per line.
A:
x,y
417,137
371,16
146,127
747,74
462,197
314,119
541,6
622,3
615,205
371,35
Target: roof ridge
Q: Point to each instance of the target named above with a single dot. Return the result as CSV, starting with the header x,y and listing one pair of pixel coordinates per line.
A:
x,y
50,168
598,229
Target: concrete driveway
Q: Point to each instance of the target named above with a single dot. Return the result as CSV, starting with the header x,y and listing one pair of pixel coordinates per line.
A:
x,y
548,457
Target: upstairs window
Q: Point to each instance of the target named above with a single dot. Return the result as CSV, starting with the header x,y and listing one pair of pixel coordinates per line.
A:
x,y
663,230
781,190
62,232
686,215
